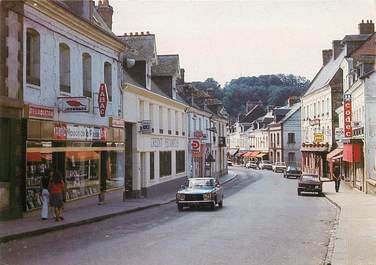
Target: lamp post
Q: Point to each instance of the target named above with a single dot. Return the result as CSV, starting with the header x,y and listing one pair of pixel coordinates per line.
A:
x,y
209,157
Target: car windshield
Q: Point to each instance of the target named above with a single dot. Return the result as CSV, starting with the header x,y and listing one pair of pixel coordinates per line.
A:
x,y
310,178
280,164
201,183
266,162
293,168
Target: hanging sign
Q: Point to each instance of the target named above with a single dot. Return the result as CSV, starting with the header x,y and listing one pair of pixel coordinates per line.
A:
x,y
102,100
318,137
196,148
347,114
74,104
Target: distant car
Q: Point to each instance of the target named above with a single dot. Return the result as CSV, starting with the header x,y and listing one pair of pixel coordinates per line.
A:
x,y
310,183
279,167
292,171
229,163
265,164
251,164
200,191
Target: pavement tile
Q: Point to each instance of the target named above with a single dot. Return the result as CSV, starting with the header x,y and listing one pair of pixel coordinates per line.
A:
x,y
355,241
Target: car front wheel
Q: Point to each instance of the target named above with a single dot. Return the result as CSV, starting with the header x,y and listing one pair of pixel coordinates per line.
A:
x,y
180,207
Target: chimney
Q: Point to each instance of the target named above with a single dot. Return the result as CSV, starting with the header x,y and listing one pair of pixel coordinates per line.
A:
x,y
366,27
106,11
337,48
326,56
147,32
81,8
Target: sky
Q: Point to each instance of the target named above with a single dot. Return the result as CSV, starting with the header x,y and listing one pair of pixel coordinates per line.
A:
x,y
228,39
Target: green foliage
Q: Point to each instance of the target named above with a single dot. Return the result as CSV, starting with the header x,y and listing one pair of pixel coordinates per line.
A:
x,y
270,89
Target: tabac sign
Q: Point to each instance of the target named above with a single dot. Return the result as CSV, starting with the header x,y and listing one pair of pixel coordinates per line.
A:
x,y
347,114
102,100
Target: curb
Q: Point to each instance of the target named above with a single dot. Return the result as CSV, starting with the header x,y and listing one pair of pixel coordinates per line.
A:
x,y
333,233
95,219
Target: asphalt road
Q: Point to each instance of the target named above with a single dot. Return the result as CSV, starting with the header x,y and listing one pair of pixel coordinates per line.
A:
x,y
263,221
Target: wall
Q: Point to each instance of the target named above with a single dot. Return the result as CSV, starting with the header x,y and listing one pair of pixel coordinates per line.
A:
x,y
292,125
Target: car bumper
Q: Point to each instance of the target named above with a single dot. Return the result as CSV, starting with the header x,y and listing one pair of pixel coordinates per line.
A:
x,y
195,202
293,175
319,190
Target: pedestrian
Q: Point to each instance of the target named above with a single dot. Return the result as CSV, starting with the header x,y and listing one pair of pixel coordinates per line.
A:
x,y
45,194
336,177
56,188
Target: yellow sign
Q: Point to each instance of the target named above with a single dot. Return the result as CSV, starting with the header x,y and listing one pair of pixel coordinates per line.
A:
x,y
319,137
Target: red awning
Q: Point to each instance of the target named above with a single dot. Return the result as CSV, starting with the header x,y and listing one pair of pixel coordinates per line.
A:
x,y
352,152
37,156
248,154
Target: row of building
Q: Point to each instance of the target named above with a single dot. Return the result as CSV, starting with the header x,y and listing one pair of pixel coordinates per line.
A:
x,y
106,111
332,124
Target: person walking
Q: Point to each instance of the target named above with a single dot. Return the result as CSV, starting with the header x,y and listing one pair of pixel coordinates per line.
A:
x,y
45,194
56,188
336,177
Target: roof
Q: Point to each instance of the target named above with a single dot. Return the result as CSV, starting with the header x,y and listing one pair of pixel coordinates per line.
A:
x,y
98,20
294,108
326,73
256,112
168,65
356,37
140,47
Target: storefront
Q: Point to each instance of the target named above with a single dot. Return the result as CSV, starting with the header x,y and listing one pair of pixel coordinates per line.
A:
x,y
314,159
354,162
91,159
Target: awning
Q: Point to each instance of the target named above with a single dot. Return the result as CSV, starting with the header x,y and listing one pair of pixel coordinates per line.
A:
x,y
333,154
352,152
248,154
241,153
85,155
37,156
337,157
232,152
261,155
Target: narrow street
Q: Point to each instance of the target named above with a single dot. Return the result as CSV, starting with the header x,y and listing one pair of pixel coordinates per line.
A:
x,y
263,221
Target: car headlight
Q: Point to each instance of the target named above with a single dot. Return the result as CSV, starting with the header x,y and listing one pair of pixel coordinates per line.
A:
x,y
317,186
207,196
180,196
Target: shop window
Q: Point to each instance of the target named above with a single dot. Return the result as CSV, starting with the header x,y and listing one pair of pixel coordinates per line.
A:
x,y
180,161
86,75
81,173
152,165
64,66
164,164
291,157
115,169
32,57
291,138
108,79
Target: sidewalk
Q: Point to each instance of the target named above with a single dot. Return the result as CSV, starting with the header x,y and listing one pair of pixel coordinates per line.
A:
x,y
355,239
83,212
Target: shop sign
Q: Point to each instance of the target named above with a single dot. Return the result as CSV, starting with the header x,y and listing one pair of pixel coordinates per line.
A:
x,y
339,134
145,126
318,137
347,113
196,148
102,100
164,143
198,134
314,122
116,122
60,131
77,132
74,104
40,112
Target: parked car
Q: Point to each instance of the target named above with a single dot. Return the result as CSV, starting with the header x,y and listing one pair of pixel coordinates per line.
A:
x,y
265,164
292,171
310,183
229,163
199,192
279,167
251,164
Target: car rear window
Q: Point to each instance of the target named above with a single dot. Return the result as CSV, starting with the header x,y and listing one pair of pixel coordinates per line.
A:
x,y
309,177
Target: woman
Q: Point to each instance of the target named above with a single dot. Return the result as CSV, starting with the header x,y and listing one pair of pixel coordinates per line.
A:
x,y
45,194
336,177
56,188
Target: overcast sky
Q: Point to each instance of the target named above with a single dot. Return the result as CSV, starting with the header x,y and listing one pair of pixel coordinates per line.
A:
x,y
228,39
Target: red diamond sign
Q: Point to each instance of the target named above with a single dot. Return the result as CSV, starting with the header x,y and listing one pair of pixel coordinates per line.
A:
x,y
102,100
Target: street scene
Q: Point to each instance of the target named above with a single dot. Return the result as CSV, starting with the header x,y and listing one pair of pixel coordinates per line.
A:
x,y
187,132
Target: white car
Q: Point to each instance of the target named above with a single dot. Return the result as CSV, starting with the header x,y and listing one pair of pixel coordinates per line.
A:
x,y
279,167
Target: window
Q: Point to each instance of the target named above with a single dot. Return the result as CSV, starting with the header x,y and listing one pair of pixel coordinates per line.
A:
x,y
160,112
314,110
151,165
277,138
151,115
142,106
64,63
291,138
32,57
322,107
108,79
169,120
177,126
180,161
318,109
327,107
86,74
291,157
164,164
182,123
